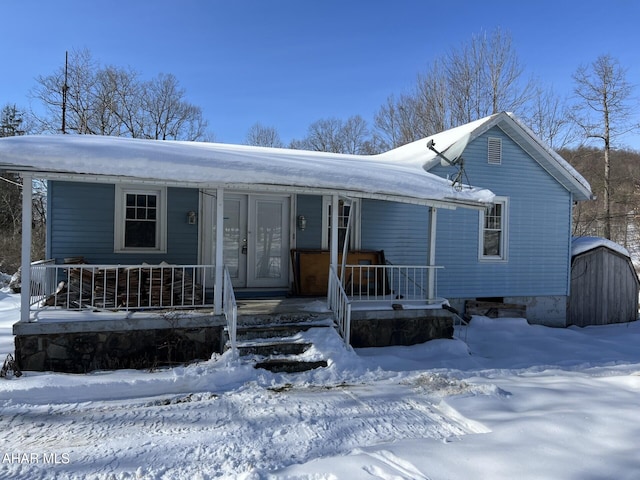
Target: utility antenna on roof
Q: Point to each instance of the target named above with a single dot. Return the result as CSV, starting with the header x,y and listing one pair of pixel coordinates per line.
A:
x,y
453,159
65,88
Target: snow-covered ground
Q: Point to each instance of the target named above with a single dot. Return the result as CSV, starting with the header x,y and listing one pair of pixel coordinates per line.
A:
x,y
514,401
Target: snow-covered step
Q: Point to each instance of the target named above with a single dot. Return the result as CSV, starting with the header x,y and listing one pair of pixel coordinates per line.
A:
x,y
272,348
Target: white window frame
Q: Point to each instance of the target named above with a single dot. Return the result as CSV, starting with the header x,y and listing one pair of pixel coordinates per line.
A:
x,y
121,191
504,238
355,223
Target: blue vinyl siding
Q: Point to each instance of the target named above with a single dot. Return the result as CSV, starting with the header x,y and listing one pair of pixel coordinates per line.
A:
x,y
401,230
81,223
539,229
311,207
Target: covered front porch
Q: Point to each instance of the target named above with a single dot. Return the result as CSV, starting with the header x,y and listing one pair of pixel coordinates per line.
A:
x,y
121,203
87,339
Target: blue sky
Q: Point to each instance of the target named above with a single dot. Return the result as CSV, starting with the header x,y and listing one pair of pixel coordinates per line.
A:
x,y
289,63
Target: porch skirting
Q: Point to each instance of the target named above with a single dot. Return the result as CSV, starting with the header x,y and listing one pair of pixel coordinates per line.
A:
x,y
81,347
383,328
150,341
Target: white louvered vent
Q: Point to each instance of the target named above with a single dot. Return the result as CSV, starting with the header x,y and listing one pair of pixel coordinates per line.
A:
x,y
494,153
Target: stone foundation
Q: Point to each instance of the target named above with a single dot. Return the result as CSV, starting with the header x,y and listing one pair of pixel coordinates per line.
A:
x,y
404,327
81,352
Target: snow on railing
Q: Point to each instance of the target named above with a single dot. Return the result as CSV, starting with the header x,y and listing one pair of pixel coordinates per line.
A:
x,y
409,283
340,305
120,287
230,309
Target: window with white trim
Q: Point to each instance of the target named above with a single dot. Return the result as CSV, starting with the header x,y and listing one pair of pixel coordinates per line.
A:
x,y
140,219
343,219
494,231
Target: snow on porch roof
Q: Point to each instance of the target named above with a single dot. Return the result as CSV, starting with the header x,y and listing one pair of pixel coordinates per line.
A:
x,y
208,165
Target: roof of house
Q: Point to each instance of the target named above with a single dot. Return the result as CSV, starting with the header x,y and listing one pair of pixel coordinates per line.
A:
x,y
210,165
457,138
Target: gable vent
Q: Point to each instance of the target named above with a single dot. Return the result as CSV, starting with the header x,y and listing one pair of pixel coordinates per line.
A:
x,y
494,153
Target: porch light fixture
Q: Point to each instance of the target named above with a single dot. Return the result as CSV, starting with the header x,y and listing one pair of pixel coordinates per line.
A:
x,y
191,217
302,222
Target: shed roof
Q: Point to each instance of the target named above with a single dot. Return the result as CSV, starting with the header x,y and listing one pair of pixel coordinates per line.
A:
x,y
580,245
209,165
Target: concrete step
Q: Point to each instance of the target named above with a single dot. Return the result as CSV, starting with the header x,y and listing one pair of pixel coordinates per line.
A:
x,y
273,331
286,365
270,349
260,319
275,336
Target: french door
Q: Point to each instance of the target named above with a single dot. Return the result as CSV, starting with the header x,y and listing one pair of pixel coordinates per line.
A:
x,y
256,240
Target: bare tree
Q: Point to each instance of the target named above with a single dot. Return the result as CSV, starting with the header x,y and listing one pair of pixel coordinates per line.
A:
x,y
166,115
263,136
355,136
397,122
485,77
432,101
114,101
334,135
12,123
548,116
482,77
603,112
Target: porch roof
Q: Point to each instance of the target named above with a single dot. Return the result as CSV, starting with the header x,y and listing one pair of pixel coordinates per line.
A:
x,y
211,165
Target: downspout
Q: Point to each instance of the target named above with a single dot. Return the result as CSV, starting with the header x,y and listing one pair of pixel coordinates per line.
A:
x,y
431,260
219,261
25,288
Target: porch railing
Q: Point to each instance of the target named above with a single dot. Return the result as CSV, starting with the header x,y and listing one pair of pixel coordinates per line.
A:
x,y
120,287
230,309
409,283
340,304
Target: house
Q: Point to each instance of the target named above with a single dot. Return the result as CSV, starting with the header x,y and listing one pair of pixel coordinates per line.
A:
x,y
604,283
138,226
517,253
149,243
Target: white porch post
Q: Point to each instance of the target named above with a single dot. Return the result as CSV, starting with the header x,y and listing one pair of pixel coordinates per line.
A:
x,y
431,281
219,261
333,248
335,207
25,295
345,247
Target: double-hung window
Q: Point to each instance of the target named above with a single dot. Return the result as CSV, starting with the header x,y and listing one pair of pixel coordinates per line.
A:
x,y
140,219
494,233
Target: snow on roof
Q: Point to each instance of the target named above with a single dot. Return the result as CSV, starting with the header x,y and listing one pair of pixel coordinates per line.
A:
x,y
240,166
417,153
584,244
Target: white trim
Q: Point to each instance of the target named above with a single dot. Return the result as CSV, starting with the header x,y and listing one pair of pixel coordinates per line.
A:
x,y
431,260
504,237
119,218
219,255
448,203
27,205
